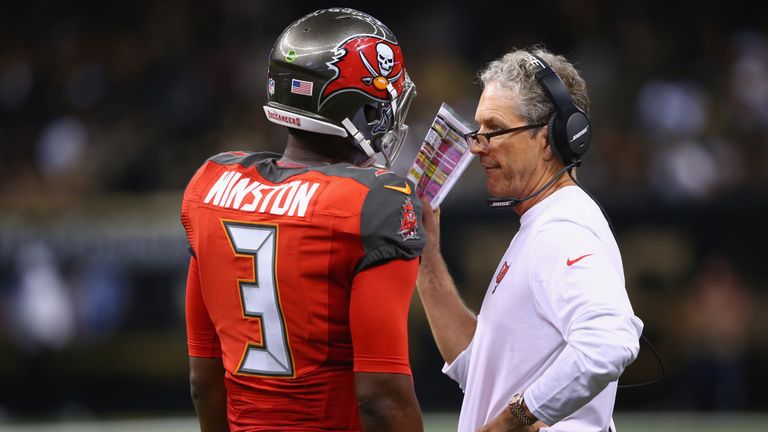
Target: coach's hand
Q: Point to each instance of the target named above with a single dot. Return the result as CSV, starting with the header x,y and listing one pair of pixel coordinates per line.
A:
x,y
505,422
431,223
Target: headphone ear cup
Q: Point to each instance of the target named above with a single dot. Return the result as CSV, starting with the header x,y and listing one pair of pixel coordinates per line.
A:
x,y
552,137
579,129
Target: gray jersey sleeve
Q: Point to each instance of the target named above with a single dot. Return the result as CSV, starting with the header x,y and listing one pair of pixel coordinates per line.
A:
x,y
390,222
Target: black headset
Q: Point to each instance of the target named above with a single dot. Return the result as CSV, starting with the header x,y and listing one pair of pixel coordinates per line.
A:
x,y
569,131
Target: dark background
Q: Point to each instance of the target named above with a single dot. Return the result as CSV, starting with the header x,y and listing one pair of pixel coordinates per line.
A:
x,y
107,109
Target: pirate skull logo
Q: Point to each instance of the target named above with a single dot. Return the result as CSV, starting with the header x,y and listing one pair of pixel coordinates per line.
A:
x,y
368,64
385,57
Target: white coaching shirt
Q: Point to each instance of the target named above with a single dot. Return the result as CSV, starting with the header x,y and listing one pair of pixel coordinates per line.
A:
x,y
556,324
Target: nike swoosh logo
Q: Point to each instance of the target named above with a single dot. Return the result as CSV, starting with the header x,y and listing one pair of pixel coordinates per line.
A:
x,y
404,189
571,262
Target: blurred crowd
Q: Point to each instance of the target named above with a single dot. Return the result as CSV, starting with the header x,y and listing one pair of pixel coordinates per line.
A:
x,y
98,98
107,109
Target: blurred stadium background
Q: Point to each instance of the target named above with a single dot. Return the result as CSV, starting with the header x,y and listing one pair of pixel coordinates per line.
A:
x,y
107,109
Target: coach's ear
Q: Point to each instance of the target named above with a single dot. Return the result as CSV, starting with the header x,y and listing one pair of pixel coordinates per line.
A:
x,y
542,142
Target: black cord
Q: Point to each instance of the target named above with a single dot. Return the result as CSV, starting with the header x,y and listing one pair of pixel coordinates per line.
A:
x,y
605,214
658,360
642,336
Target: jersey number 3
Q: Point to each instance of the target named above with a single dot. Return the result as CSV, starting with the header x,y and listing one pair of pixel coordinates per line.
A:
x,y
261,301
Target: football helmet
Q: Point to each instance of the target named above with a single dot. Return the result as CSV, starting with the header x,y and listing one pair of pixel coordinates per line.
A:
x,y
340,72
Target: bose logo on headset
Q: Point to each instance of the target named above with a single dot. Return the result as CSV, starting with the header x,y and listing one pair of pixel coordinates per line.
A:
x,y
568,127
582,132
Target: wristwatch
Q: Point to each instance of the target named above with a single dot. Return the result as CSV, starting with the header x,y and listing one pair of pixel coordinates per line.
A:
x,y
518,412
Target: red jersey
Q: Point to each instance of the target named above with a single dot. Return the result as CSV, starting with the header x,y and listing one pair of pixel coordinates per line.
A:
x,y
279,284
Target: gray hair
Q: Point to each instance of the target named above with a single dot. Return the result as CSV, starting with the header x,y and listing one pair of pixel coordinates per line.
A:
x,y
516,73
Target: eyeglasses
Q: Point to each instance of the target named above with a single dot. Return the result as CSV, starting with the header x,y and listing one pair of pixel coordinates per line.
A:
x,y
483,140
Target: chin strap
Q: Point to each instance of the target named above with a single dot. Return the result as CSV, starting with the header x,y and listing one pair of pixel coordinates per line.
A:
x,y
358,137
392,99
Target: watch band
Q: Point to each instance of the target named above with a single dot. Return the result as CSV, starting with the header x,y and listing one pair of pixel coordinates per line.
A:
x,y
516,408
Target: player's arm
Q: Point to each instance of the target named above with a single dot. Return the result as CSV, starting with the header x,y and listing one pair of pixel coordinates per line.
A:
x,y
379,303
206,371
387,402
206,380
451,322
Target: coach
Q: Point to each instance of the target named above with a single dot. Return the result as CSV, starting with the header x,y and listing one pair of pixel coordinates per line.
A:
x,y
556,328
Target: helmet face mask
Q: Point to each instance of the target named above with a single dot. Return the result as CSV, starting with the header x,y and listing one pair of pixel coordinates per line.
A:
x,y
393,140
340,72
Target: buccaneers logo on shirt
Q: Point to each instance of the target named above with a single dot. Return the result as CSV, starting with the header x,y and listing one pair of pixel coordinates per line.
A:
x,y
366,64
500,276
408,222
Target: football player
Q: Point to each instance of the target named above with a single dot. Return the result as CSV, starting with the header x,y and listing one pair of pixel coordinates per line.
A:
x,y
303,264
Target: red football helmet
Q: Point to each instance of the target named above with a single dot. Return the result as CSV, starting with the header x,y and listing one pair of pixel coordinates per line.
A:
x,y
340,72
